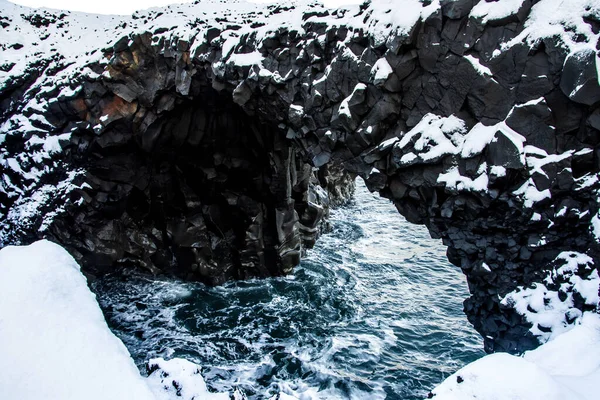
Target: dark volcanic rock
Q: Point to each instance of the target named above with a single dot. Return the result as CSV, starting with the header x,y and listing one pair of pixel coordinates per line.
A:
x,y
580,77
211,148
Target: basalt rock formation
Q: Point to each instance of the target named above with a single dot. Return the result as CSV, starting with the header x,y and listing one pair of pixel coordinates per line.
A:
x,y
208,140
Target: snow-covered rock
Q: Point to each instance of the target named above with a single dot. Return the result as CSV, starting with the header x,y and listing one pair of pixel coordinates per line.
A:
x,y
56,344
566,368
555,305
55,341
179,379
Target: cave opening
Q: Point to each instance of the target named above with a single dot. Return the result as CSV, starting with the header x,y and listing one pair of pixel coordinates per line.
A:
x,y
204,192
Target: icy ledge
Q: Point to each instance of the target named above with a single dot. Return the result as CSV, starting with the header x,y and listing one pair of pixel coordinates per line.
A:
x,y
56,344
566,368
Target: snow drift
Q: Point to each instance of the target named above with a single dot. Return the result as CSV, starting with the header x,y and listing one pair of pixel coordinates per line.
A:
x,y
566,368
56,344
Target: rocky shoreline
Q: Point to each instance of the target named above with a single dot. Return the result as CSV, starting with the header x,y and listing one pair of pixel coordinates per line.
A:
x,y
207,142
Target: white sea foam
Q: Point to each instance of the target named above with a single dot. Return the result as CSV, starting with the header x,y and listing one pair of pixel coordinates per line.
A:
x,y
375,309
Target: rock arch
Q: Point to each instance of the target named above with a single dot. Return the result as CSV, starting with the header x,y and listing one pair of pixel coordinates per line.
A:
x,y
211,150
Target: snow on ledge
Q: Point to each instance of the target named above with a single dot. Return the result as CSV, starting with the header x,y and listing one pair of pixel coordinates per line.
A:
x,y
567,368
575,276
56,344
55,341
491,11
558,18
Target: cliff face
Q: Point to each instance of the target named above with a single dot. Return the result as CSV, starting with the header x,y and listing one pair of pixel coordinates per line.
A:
x,y
208,140
164,170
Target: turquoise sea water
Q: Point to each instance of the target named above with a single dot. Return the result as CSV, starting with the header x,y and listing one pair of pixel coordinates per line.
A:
x,y
373,312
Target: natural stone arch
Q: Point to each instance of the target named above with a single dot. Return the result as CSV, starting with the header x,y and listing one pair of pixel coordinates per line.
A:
x,y
431,117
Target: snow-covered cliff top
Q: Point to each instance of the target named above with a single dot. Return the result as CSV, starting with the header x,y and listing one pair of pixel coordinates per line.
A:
x,y
29,35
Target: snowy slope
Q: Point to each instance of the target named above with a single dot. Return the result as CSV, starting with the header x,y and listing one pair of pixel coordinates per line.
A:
x,y
55,343
567,368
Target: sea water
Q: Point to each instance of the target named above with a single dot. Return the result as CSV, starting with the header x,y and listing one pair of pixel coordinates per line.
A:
x,y
373,312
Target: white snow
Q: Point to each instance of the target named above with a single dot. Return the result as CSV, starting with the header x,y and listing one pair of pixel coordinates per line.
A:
x,y
530,194
453,179
481,135
567,368
586,181
102,7
119,7
573,359
408,158
434,137
501,376
498,171
52,146
394,18
595,227
562,212
296,109
536,163
544,308
56,344
491,11
381,71
179,379
477,139
481,69
344,108
561,18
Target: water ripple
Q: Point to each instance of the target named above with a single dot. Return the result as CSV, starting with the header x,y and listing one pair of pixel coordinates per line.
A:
x,y
373,312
